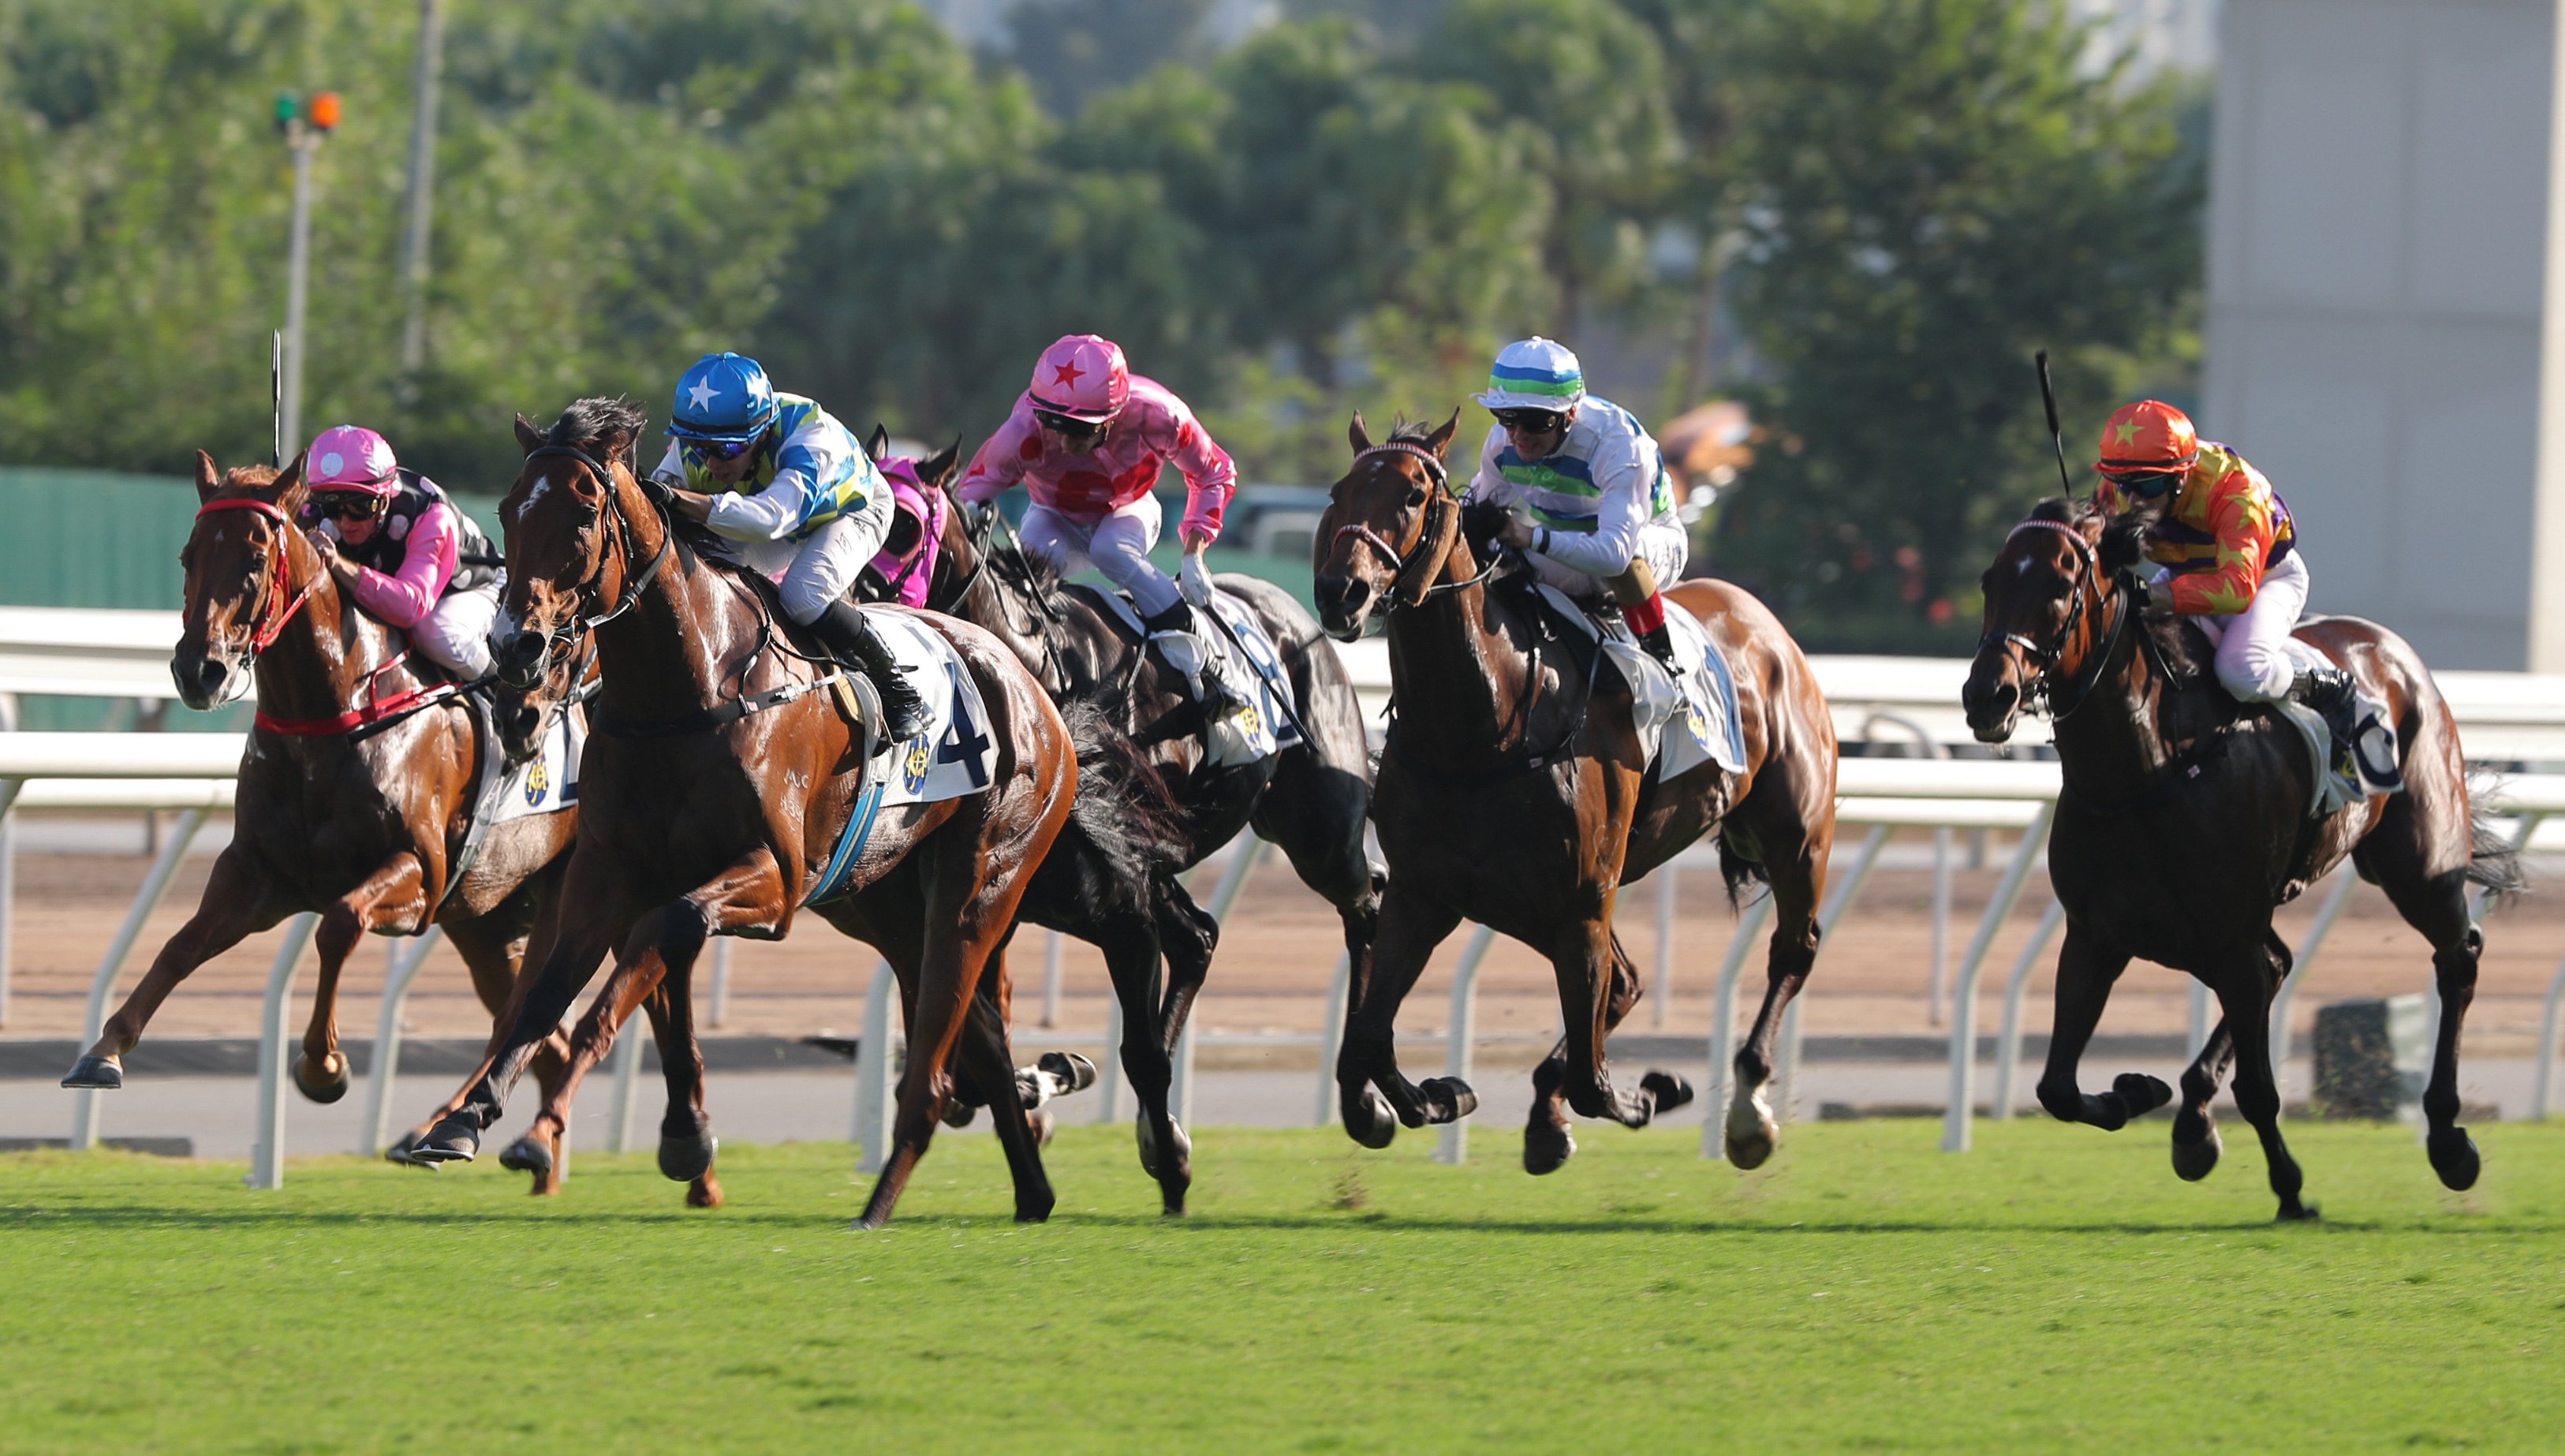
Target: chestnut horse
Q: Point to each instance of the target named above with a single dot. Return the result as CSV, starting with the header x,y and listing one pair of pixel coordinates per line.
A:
x,y
2183,825
1514,792
355,788
713,793
1311,798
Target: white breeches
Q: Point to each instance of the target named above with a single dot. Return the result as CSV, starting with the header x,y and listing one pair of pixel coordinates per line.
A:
x,y
818,569
1119,546
456,631
1664,546
2252,653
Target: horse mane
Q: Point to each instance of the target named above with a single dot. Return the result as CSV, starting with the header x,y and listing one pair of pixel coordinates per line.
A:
x,y
594,420
249,477
1405,431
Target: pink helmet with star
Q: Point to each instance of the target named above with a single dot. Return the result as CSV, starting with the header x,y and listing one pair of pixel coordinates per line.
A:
x,y
1081,377
350,457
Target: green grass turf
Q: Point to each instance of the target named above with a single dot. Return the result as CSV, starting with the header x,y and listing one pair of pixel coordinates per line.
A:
x,y
2057,1288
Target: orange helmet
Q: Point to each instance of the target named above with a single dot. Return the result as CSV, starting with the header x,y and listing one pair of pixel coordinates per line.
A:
x,y
2149,435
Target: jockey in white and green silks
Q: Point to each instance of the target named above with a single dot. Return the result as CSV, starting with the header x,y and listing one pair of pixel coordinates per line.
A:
x,y
1601,508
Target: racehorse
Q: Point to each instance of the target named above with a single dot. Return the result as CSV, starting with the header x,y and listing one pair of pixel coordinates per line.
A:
x,y
355,790
2183,824
1311,798
1514,792
716,784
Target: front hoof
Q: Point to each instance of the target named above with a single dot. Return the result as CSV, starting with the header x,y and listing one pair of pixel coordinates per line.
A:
x,y
704,1192
958,1114
2194,1160
2454,1157
1670,1091
1148,1138
1367,1117
325,1086
2296,1212
1754,1150
451,1140
1070,1072
95,1074
2139,1094
528,1154
1447,1099
684,1158
1548,1147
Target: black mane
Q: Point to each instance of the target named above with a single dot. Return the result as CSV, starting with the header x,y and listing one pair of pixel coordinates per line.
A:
x,y
589,423
1412,432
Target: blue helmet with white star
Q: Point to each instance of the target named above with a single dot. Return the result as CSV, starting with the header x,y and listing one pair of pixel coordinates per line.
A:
x,y
722,398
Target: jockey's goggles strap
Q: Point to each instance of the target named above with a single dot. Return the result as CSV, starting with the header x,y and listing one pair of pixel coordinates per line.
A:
x,y
273,611
1433,462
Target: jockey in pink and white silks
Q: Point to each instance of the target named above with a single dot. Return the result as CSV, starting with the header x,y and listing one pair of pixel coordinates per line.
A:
x,y
1087,438
402,547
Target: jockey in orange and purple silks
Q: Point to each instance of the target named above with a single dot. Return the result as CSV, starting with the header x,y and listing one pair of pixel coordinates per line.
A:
x,y
2228,549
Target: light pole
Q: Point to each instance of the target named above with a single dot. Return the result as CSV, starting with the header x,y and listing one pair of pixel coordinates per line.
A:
x,y
423,192
303,130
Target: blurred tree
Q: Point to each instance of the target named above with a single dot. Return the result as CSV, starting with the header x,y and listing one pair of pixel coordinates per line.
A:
x,y
1077,50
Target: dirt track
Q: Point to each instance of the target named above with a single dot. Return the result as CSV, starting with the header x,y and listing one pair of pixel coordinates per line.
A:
x,y
1276,956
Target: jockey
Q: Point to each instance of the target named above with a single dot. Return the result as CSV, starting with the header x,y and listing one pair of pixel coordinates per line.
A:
x,y
402,547
1603,520
2228,550
780,477
1087,439
906,566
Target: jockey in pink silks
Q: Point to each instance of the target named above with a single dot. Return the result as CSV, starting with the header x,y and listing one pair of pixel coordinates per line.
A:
x,y
907,563
1087,438
402,547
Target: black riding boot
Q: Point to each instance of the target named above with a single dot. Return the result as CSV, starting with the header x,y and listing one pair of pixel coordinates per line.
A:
x,y
2328,690
850,637
1187,641
1660,642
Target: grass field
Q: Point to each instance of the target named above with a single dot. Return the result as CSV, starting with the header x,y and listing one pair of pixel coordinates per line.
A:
x,y
2057,1288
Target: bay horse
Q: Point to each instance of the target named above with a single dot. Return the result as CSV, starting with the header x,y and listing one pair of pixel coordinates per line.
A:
x,y
2183,825
1514,792
715,783
355,788
1310,799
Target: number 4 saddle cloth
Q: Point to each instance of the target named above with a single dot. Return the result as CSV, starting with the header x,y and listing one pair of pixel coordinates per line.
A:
x,y
956,756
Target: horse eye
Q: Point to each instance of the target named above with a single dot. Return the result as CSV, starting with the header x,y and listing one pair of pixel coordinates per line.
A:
x,y
1416,497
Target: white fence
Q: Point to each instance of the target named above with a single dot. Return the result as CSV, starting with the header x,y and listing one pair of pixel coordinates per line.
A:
x,y
2508,717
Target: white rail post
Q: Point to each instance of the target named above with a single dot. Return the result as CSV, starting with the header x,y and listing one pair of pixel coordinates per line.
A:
x,y
2544,1077
627,1110
2016,989
1786,1074
376,1134
2198,1017
1054,958
1963,1000
1108,1071
1938,1003
1331,1037
718,1013
8,864
1180,1076
275,1047
84,1104
1722,1021
1463,1034
873,1062
2344,882
1665,990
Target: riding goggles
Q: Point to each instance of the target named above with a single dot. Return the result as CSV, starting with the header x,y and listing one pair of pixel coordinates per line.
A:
x,y
2145,484
1067,429
724,449
338,503
1530,421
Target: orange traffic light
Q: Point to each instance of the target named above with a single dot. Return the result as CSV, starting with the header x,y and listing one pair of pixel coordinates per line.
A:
x,y
324,111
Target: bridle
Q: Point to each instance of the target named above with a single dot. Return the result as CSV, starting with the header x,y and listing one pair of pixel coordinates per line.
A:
x,y
2045,661
273,609
581,623
1401,562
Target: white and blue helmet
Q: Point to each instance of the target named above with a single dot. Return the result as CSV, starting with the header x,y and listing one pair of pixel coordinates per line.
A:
x,y
1534,374
722,398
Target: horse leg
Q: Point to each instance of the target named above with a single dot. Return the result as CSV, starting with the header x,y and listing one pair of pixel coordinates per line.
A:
x,y
2437,905
2242,982
2087,969
237,902
2196,1143
1751,1131
391,898
686,1142
1410,929
1585,960
1547,1141
982,1052
494,954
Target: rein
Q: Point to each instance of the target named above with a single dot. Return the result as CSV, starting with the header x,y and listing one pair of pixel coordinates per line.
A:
x,y
633,585
2047,661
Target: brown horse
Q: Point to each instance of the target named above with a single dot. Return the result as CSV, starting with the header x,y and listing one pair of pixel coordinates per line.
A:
x,y
2183,825
355,788
1514,792
712,797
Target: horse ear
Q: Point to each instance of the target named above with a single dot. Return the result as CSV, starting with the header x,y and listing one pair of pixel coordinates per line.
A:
x,y
878,447
1440,442
936,470
529,439
288,489
1356,435
208,479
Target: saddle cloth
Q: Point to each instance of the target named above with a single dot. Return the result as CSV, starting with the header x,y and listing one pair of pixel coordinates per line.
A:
x,y
1250,668
956,756
1683,719
548,781
2377,766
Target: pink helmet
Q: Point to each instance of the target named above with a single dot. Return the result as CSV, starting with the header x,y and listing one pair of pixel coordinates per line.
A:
x,y
1081,377
350,457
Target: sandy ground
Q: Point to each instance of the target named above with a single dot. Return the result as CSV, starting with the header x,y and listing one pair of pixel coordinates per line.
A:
x,y
1278,951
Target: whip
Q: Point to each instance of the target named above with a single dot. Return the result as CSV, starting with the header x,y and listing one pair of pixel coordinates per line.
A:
x,y
2056,437
276,398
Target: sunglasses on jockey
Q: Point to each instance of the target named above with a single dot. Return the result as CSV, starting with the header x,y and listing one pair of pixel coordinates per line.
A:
x,y
723,449
1530,421
2146,485
345,504
1067,429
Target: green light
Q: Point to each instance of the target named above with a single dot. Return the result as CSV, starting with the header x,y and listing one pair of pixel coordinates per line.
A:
x,y
285,109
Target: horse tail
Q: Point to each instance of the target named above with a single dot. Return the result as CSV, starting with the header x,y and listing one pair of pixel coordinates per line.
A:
x,y
1123,807
1738,871
2494,861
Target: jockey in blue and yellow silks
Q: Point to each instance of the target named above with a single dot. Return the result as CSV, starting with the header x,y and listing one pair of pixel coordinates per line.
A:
x,y
780,477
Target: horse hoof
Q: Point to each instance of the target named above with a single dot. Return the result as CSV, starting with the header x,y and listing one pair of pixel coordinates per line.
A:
x,y
327,1087
98,1074
1447,1099
1149,1146
1043,1125
1367,1119
1753,1150
684,1160
398,1152
2295,1212
451,1140
1670,1091
1546,1149
1073,1073
2192,1161
2139,1092
528,1154
957,1113
704,1192
2454,1157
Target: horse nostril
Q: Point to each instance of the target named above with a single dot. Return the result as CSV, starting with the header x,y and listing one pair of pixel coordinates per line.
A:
x,y
210,674
523,726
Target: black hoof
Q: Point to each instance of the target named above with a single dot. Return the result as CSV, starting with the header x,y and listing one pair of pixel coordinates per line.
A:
x,y
2454,1157
1670,1091
1073,1073
528,1154
2139,1092
1149,1161
1447,1099
100,1073
1546,1149
2197,1160
957,1113
683,1159
324,1088
2298,1213
449,1141
1367,1117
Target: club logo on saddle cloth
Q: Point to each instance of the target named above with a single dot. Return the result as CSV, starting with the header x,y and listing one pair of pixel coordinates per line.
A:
x,y
547,783
1248,665
956,755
